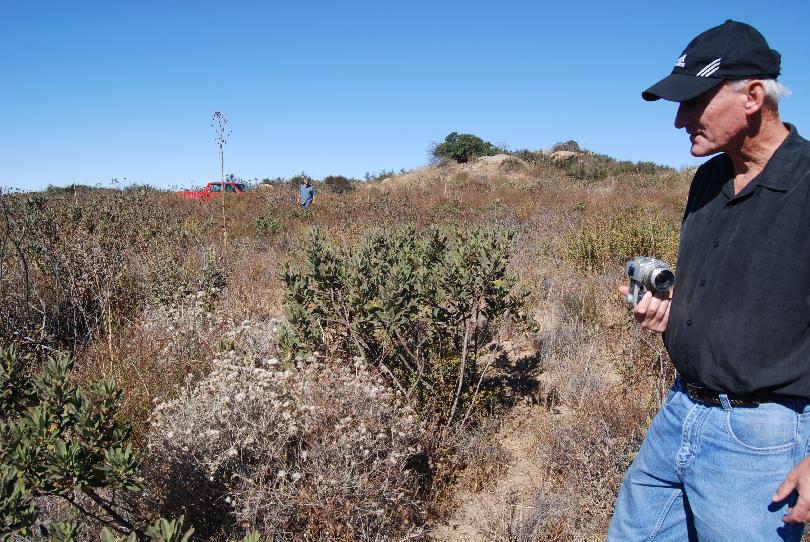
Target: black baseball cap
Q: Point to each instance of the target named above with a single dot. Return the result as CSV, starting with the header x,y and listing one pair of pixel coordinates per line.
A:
x,y
733,50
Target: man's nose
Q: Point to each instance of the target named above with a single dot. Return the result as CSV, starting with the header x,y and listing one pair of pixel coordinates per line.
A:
x,y
682,117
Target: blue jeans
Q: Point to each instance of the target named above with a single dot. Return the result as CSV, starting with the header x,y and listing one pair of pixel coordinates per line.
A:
x,y
708,473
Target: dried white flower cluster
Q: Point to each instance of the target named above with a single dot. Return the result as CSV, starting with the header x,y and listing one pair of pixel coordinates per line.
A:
x,y
291,449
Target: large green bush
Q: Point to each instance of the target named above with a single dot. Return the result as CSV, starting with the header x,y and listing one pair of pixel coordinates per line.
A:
x,y
418,305
463,148
65,444
58,441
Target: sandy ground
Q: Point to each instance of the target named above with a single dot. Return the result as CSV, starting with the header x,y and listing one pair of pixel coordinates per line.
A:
x,y
478,514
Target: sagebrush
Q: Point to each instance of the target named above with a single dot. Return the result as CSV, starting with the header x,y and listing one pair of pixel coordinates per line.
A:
x,y
419,305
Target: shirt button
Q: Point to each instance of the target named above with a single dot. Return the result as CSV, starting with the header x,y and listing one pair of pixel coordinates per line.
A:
x,y
686,360
689,322
702,282
716,244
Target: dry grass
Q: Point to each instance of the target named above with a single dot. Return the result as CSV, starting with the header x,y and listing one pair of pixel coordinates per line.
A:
x,y
154,291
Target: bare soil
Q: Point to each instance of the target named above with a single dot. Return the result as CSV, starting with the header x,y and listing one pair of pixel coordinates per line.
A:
x,y
479,515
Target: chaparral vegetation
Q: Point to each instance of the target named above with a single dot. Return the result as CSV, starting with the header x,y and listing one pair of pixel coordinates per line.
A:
x,y
438,354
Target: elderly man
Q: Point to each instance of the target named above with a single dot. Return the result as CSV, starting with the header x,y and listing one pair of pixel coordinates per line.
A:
x,y
725,458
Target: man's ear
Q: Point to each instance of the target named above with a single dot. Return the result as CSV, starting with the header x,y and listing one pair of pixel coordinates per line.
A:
x,y
754,92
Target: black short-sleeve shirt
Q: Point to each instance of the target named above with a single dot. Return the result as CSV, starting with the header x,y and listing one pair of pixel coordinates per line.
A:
x,y
740,316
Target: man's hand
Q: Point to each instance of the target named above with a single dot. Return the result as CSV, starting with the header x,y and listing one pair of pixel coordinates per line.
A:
x,y
798,479
652,312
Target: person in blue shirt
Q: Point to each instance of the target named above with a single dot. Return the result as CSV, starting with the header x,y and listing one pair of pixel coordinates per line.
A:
x,y
306,193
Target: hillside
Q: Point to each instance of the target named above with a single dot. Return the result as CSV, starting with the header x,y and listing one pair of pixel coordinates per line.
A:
x,y
183,303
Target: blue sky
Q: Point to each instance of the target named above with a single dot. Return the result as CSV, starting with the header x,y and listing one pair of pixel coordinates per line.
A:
x,y
93,91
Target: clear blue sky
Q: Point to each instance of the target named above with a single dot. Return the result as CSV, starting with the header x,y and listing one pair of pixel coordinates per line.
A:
x,y
93,91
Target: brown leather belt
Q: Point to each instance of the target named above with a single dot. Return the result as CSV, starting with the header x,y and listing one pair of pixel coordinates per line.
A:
x,y
710,397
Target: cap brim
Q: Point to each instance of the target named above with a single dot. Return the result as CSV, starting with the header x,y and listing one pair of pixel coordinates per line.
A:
x,y
679,87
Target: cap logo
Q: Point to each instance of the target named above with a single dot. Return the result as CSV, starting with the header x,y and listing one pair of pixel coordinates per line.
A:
x,y
710,68
681,62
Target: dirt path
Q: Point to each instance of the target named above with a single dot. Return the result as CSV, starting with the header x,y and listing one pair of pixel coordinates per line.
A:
x,y
486,515
481,514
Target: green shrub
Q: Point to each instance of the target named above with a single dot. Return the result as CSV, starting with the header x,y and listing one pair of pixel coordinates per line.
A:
x,y
268,225
590,166
58,441
463,148
418,305
339,184
609,239
569,145
512,165
445,211
163,530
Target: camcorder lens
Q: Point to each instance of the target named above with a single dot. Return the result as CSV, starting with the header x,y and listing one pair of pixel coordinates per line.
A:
x,y
663,280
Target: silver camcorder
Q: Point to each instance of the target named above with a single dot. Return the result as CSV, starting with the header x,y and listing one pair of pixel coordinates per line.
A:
x,y
647,273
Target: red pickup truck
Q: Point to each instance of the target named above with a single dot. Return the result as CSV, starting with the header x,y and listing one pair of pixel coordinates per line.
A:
x,y
214,189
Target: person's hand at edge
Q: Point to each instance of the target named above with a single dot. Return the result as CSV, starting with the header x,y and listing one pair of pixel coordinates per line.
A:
x,y
797,479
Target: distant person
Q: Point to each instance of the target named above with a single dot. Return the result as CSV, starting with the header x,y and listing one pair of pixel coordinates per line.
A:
x,y
725,459
306,193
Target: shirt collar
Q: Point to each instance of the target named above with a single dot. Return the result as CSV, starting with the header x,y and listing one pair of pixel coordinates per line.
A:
x,y
780,171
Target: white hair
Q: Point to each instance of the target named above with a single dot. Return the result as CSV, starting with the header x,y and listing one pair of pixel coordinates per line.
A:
x,y
774,90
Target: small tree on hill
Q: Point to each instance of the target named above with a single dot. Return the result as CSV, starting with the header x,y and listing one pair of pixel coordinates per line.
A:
x,y
339,183
463,148
569,145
